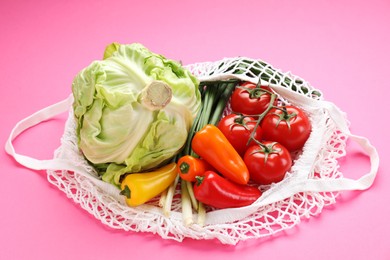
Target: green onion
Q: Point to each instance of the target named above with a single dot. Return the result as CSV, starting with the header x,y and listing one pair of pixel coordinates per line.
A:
x,y
215,96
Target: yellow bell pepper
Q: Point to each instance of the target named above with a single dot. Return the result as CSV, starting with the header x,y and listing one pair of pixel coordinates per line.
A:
x,y
142,187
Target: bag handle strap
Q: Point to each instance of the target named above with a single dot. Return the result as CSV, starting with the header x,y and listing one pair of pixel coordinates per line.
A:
x,y
56,163
30,121
33,120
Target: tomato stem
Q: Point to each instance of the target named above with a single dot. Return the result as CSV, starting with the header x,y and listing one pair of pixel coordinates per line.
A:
x,y
257,91
266,149
285,116
240,120
261,116
258,85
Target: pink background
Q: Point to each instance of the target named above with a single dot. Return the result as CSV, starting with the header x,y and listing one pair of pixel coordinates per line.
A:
x,y
340,47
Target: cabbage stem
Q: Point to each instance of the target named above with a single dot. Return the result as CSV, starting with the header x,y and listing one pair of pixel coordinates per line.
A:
x,y
156,95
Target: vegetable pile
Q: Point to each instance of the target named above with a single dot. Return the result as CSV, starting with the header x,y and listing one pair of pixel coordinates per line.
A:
x,y
147,124
243,150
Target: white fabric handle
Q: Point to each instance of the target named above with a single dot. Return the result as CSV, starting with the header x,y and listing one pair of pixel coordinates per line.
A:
x,y
56,163
30,121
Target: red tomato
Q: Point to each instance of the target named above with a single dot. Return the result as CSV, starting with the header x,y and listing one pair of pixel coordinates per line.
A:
x,y
248,99
288,125
238,129
267,163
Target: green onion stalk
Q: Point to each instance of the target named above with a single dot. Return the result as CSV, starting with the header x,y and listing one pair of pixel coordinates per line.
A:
x,y
215,96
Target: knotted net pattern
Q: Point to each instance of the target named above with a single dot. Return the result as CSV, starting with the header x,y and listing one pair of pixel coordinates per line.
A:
x,y
266,220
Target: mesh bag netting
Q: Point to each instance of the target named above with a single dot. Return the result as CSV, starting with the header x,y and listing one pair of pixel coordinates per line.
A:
x,y
264,221
313,182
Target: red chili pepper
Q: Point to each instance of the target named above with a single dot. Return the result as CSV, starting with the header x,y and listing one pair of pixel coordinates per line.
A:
x,y
211,144
189,167
219,192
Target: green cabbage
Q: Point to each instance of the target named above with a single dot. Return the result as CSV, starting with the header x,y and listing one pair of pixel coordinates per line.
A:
x,y
118,129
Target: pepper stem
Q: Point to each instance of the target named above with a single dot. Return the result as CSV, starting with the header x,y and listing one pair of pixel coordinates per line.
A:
x,y
199,180
184,167
126,192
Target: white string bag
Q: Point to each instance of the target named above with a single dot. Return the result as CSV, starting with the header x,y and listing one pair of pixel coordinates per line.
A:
x,y
313,182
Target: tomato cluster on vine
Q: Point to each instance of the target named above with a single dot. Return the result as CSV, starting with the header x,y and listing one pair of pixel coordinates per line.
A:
x,y
264,131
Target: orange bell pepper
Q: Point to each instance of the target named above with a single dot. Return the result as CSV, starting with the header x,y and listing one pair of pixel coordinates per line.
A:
x,y
189,167
211,145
